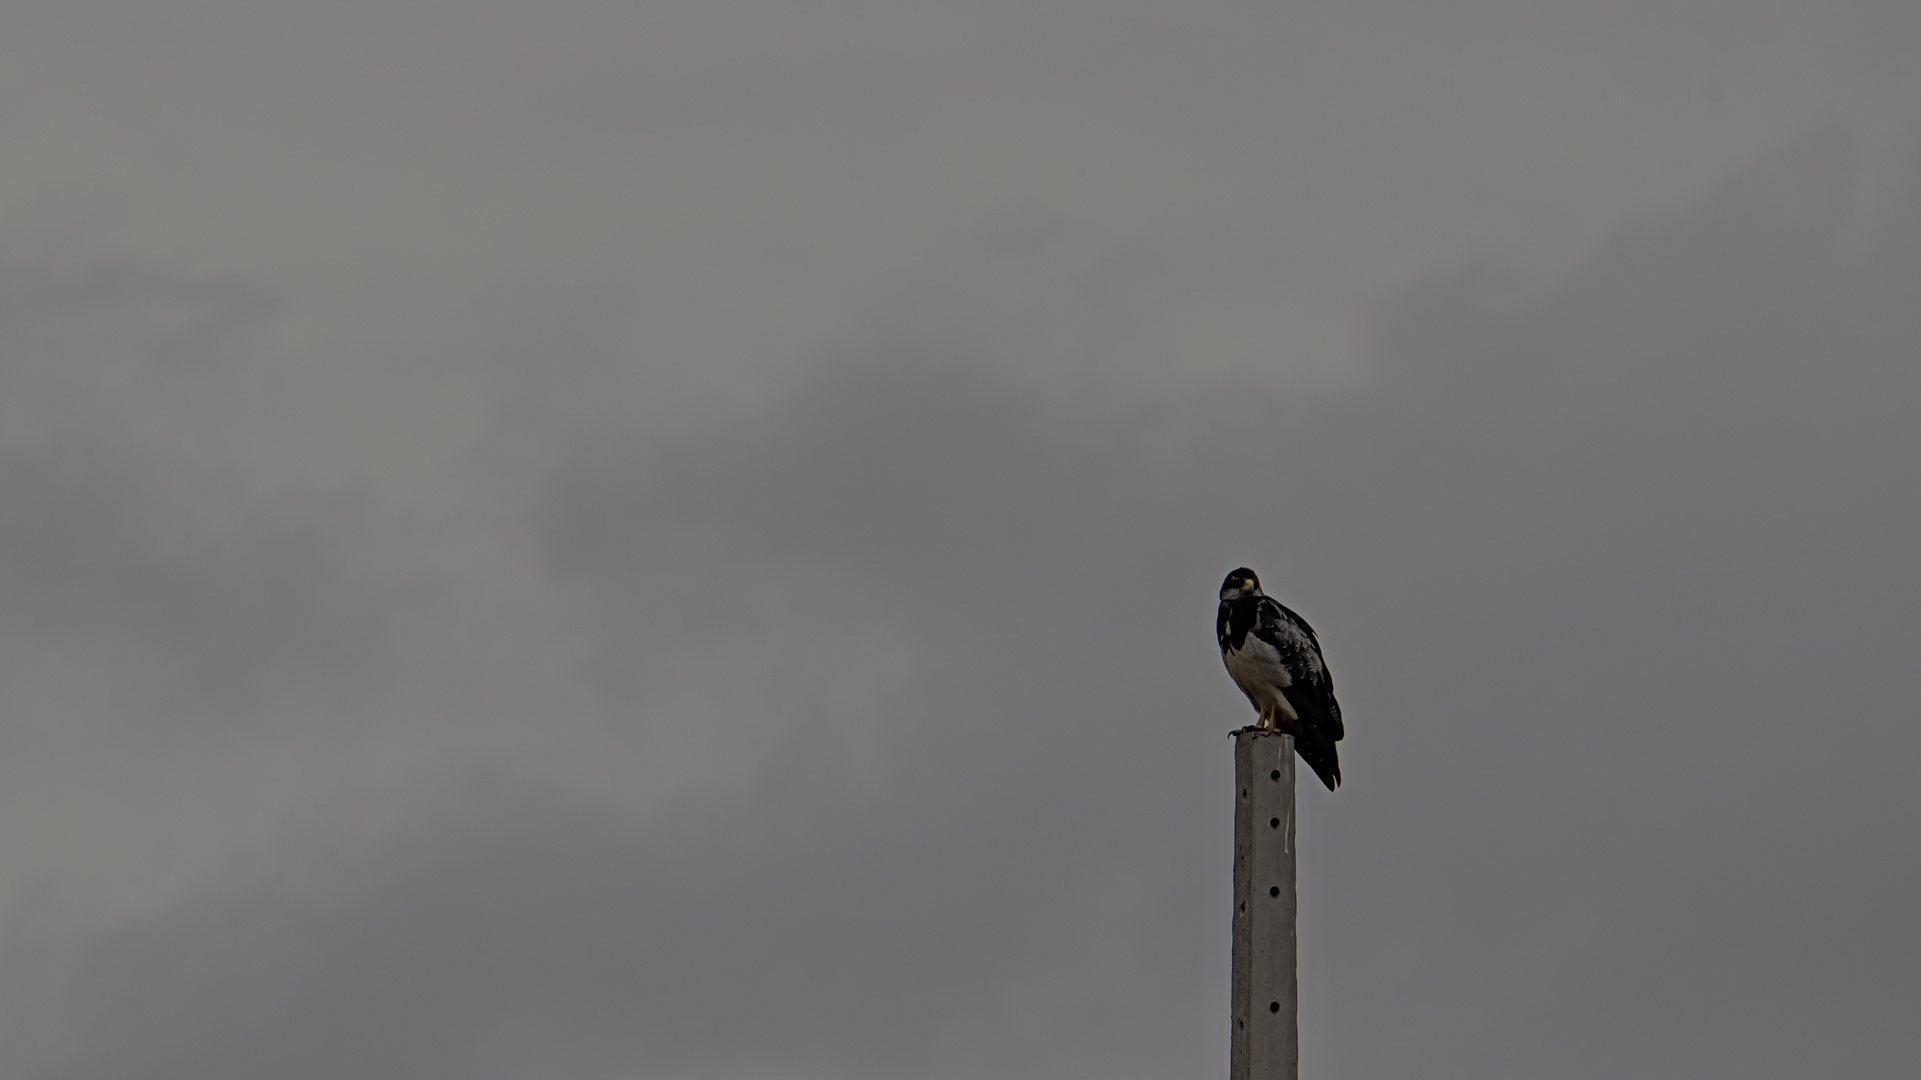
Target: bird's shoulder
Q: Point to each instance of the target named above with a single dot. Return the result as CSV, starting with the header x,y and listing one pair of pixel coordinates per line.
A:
x,y
1275,613
1289,634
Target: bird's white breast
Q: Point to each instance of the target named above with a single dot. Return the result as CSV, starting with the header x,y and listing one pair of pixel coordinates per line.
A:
x,y
1257,669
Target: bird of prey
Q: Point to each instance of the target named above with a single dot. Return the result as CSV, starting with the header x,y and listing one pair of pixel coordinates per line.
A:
x,y
1275,659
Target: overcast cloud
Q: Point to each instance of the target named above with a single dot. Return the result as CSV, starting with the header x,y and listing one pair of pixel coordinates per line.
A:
x,y
678,540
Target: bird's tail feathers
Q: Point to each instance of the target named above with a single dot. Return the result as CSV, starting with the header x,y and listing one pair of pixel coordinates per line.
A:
x,y
1321,756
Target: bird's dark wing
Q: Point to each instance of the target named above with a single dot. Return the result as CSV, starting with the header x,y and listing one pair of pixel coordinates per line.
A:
x,y
1288,612
1312,691
1300,650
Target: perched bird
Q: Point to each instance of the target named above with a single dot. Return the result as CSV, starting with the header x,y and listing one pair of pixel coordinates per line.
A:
x,y
1275,659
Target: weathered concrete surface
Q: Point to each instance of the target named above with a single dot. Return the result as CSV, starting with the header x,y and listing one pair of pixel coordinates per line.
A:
x,y
1266,1029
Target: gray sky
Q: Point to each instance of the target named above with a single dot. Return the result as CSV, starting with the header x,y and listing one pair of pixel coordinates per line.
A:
x,y
678,540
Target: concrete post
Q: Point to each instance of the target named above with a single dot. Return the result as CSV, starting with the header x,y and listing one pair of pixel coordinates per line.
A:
x,y
1266,1033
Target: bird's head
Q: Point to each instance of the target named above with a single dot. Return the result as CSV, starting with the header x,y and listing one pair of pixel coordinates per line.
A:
x,y
1242,582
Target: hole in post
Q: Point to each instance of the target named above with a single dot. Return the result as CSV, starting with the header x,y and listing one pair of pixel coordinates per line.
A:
x,y
1243,907
1273,1006
1273,823
1243,793
1275,891
1275,775
1243,1023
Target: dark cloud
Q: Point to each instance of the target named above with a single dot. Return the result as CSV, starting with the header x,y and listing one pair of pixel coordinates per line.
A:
x,y
193,598
721,940
1615,574
1655,576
